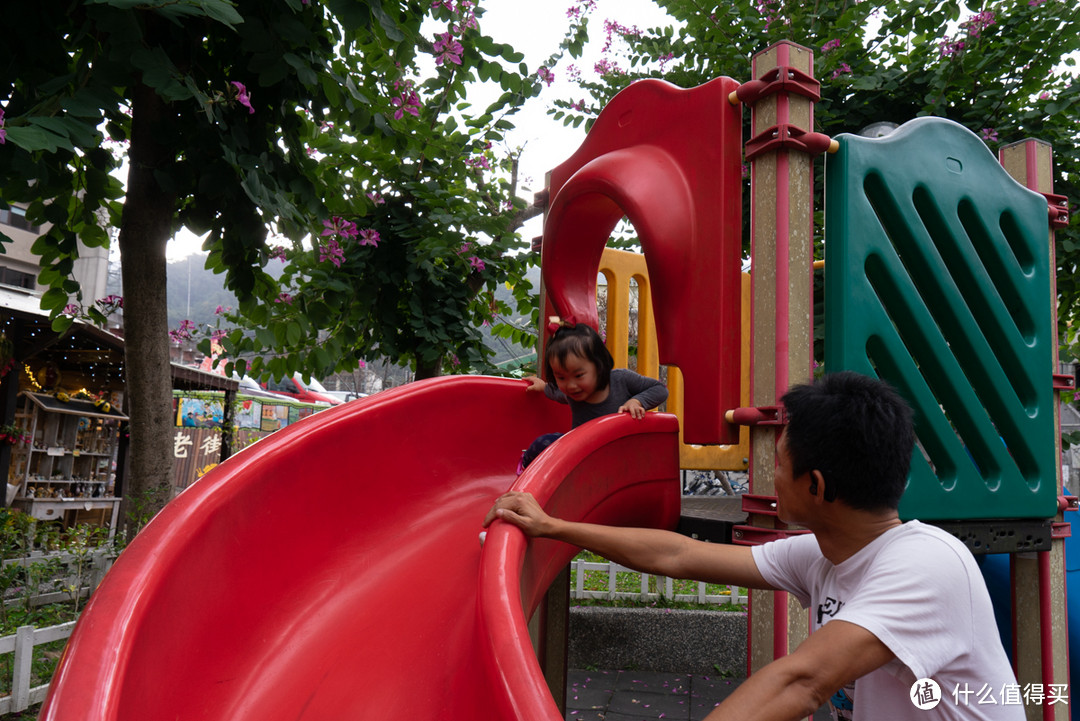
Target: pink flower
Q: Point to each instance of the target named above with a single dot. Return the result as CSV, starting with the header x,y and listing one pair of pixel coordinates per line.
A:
x,y
831,45
612,28
332,251
546,76
183,332
278,251
448,50
407,102
3,131
476,263
606,67
978,23
844,69
582,7
70,309
339,226
242,96
284,297
375,198
947,47
989,135
369,236
110,303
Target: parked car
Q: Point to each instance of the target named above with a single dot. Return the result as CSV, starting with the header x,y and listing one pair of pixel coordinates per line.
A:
x,y
250,387
346,396
295,387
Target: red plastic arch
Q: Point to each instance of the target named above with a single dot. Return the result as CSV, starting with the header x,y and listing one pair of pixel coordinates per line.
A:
x,y
669,159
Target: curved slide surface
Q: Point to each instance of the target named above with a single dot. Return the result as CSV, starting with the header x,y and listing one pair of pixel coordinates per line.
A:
x,y
333,570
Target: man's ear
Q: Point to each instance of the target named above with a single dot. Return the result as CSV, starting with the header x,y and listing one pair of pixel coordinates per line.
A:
x,y
817,480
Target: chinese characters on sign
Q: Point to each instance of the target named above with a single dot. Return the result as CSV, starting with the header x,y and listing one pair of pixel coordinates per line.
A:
x,y
194,450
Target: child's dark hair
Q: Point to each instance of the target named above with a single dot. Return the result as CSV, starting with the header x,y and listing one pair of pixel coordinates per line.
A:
x,y
580,340
857,431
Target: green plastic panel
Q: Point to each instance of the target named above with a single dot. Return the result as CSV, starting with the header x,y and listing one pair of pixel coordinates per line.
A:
x,y
937,279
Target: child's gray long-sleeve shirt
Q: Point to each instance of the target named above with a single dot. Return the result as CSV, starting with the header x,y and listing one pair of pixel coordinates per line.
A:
x,y
624,385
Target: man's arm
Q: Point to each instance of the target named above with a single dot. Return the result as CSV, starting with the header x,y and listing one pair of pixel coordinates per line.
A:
x,y
796,685
648,550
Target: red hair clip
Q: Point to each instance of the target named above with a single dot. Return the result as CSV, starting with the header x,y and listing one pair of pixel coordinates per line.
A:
x,y
554,323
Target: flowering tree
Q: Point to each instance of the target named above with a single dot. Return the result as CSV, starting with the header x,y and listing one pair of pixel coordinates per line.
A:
x,y
250,119
421,217
1003,68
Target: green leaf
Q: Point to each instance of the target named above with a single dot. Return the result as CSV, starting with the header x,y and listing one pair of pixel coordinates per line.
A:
x,y
61,323
94,236
222,11
53,299
303,70
33,139
265,336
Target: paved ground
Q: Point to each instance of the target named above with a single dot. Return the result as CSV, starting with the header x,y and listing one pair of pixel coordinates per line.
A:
x,y
646,695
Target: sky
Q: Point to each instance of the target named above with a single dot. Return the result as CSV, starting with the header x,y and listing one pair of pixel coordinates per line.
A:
x,y
534,29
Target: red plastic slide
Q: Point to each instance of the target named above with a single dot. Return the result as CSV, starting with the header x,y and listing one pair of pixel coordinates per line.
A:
x,y
333,570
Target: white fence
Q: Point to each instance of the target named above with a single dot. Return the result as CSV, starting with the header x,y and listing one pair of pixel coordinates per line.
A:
x,y
22,645
667,587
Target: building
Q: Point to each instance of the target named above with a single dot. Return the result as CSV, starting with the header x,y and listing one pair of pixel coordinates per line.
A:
x,y
19,267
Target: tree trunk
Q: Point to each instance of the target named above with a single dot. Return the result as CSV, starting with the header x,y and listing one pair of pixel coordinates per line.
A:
x,y
428,370
144,232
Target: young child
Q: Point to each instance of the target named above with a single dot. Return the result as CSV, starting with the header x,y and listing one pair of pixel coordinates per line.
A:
x,y
581,374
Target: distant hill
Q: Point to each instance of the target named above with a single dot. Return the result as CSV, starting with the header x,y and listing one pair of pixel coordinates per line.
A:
x,y
194,294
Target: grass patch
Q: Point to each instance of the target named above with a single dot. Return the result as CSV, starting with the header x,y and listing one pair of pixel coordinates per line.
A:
x,y
630,582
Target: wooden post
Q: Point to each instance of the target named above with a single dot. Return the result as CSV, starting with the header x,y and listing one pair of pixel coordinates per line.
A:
x,y
24,655
1040,626
781,223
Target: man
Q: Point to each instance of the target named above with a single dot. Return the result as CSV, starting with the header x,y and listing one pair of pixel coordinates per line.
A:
x,y
895,607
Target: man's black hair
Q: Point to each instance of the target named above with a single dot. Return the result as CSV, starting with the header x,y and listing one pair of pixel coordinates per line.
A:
x,y
580,340
857,431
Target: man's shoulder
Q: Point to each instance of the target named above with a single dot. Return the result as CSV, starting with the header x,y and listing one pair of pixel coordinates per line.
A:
x,y
917,545
917,532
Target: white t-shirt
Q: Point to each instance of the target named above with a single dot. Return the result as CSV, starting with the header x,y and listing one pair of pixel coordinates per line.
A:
x,y
919,591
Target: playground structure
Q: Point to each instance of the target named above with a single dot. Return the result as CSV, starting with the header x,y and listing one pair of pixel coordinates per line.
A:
x,y
301,624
